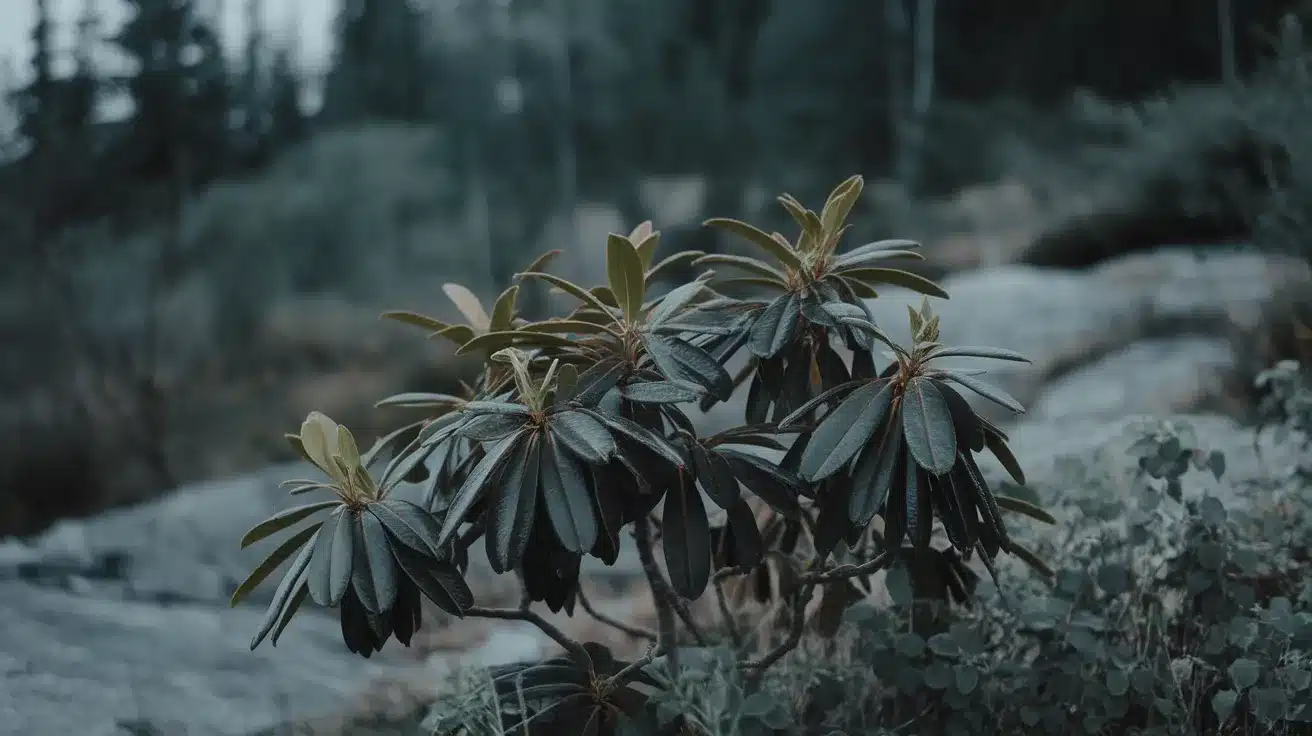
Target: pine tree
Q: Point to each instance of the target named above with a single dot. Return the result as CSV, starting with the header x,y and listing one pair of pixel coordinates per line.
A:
x,y
180,92
379,70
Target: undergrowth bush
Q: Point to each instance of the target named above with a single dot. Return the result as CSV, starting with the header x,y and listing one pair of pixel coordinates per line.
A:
x,y
576,430
1178,615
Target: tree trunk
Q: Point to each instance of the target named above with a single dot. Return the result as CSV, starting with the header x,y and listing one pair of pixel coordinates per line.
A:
x,y
922,92
897,30
1225,22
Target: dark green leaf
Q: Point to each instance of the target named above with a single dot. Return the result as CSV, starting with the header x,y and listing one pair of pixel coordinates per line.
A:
x,y
342,561
284,519
568,500
638,434
716,477
291,588
679,360
662,392
988,391
510,515
584,436
998,446
271,563
771,484
373,572
875,476
440,582
416,319
410,525
775,326
927,424
845,430
675,300
491,427
686,540
976,352
828,397
594,382
471,490
1017,506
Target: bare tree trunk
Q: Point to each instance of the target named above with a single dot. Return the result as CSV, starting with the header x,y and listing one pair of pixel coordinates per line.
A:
x,y
897,28
1225,21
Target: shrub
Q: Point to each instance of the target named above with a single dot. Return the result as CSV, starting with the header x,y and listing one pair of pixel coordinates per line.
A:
x,y
574,431
1179,614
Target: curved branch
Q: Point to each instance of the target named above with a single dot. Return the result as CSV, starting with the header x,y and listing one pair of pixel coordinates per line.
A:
x,y
637,632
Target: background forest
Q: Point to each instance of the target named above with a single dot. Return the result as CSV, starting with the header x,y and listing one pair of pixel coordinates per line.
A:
x,y
196,249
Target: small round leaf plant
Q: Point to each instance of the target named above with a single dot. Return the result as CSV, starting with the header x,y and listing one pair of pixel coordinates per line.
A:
x,y
582,428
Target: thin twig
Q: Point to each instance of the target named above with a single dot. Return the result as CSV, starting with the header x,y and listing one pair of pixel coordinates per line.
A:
x,y
844,572
524,614
636,632
730,621
760,666
661,588
664,611
631,670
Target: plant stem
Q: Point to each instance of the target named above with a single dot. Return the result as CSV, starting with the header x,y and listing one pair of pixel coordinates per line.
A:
x,y
524,614
664,611
636,632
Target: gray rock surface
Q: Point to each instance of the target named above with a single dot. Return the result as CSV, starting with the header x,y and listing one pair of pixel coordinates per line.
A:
x,y
1158,376
90,664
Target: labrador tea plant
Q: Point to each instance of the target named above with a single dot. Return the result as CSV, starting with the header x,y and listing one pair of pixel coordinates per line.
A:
x,y
578,430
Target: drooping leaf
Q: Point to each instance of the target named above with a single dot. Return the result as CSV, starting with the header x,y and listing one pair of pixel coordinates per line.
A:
x,y
845,430
510,514
771,484
410,525
284,519
374,570
998,446
440,582
567,498
493,462
271,563
875,476
988,391
686,540
1016,505
927,425
716,477
830,396
639,435
292,586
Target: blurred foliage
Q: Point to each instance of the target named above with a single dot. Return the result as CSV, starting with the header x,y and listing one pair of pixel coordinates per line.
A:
x,y
207,198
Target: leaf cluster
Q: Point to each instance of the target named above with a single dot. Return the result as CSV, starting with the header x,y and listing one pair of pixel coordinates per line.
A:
x,y
582,425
